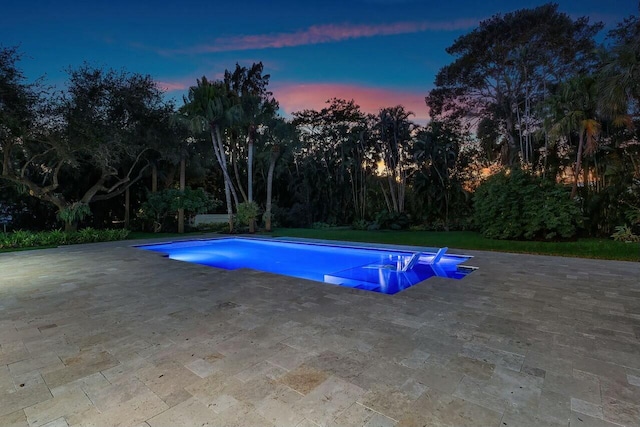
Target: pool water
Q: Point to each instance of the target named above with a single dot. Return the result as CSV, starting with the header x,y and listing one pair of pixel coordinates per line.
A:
x,y
379,270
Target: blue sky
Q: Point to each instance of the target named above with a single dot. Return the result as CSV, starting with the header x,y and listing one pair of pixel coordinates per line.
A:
x,y
379,52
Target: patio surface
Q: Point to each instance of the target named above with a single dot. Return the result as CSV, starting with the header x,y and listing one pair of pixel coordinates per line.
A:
x,y
106,334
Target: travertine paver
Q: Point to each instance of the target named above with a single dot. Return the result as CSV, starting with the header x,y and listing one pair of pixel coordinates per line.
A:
x,y
278,412
436,408
15,419
328,400
633,380
200,367
107,334
59,422
388,401
190,412
23,398
51,410
354,415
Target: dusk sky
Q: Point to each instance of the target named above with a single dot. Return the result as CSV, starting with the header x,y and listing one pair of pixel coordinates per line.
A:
x,y
378,52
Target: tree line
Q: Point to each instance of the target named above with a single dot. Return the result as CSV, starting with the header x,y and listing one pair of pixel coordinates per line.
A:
x,y
529,90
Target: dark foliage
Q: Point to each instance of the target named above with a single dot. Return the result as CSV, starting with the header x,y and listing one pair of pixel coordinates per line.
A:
x,y
517,205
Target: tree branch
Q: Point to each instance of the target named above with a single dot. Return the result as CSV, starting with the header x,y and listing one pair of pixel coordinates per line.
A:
x,y
28,162
111,194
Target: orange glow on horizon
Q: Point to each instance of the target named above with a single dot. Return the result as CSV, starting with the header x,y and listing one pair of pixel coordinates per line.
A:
x,y
297,97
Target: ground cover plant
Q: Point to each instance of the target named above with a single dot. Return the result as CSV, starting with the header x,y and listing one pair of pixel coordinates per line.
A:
x,y
31,239
584,247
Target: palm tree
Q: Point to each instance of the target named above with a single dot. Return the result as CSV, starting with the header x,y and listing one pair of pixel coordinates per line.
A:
x,y
575,107
208,106
183,167
275,154
436,151
619,75
394,139
280,134
249,88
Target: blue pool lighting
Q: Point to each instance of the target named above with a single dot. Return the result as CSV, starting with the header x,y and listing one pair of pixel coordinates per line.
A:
x,y
381,270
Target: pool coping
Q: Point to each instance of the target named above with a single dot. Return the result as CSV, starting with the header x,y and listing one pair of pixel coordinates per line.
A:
x,y
416,250
341,243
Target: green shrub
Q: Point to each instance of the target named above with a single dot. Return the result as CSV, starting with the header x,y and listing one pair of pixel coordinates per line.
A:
x,y
162,204
247,211
360,224
28,239
390,221
88,235
459,224
74,213
320,225
624,233
53,238
20,238
629,232
214,227
517,205
437,225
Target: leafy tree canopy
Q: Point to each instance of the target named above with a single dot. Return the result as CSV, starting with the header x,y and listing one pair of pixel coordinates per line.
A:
x,y
510,62
81,145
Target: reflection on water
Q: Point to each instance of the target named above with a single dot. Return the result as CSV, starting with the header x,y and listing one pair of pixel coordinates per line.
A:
x,y
377,270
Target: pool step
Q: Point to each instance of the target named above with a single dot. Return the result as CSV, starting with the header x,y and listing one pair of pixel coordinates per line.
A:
x,y
415,258
351,283
439,255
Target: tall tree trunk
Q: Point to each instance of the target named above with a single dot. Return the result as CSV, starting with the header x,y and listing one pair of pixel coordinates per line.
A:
x,y
154,178
169,177
386,198
520,135
402,186
127,207
252,221
70,226
576,173
354,192
182,187
546,154
236,172
392,192
272,166
363,189
585,176
512,147
227,196
250,168
222,161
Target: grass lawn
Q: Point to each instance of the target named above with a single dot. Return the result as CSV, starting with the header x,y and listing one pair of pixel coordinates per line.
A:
x,y
583,248
145,235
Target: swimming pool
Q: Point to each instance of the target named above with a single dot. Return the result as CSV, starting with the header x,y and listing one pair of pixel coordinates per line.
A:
x,y
381,270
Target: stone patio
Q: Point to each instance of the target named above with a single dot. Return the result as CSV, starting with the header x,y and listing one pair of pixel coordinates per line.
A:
x,y
106,334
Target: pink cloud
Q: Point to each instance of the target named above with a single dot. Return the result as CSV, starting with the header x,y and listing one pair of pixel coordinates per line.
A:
x,y
172,86
325,34
296,97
